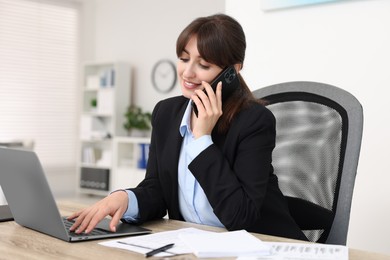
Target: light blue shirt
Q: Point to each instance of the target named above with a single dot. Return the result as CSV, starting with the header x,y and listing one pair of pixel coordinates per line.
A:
x,y
193,203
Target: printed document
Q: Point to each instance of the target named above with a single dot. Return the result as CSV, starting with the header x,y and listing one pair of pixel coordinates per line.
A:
x,y
226,244
302,251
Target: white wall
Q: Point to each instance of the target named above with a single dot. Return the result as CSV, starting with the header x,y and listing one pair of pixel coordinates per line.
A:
x,y
141,33
346,44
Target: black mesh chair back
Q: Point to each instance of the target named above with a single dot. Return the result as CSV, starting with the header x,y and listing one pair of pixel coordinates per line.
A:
x,y
318,136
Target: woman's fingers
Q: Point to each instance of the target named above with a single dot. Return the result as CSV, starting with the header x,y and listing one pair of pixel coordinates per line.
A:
x,y
207,100
113,205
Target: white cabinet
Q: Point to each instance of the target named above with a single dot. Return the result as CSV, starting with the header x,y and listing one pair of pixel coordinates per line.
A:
x,y
105,97
130,158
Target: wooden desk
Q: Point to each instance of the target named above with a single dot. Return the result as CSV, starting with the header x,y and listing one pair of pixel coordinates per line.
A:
x,y
17,242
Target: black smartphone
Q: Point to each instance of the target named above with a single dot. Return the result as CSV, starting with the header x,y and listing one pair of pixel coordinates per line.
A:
x,y
230,83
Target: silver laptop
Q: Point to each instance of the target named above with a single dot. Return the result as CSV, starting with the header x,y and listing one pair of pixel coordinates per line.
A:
x,y
32,203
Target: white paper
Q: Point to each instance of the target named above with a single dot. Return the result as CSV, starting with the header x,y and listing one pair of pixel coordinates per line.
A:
x,y
225,244
303,251
145,243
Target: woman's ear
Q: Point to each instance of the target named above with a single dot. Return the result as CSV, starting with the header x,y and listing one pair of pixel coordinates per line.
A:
x,y
238,67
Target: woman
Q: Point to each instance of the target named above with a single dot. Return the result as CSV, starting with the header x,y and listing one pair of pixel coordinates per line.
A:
x,y
213,168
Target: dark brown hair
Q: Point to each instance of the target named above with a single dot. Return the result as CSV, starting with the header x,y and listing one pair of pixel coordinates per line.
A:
x,y
220,41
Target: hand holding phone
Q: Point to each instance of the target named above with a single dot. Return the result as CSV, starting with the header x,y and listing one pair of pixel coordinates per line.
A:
x,y
230,83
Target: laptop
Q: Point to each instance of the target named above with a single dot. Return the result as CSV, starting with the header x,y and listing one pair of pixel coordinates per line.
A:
x,y
32,203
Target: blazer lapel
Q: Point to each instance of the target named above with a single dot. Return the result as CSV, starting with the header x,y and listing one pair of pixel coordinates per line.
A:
x,y
175,140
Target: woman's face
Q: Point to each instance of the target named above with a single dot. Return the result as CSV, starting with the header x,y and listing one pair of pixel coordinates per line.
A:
x,y
192,69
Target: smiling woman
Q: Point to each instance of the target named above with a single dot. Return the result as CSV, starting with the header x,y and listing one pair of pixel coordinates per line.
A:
x,y
214,168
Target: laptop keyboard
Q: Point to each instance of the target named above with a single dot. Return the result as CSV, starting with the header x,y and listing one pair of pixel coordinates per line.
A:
x,y
95,232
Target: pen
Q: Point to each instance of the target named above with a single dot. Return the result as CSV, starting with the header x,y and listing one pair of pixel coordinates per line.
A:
x,y
141,246
159,250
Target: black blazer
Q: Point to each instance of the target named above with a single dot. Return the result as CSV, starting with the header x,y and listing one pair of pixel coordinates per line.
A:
x,y
235,172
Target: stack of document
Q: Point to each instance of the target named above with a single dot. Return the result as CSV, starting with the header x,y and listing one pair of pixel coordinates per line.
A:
x,y
199,242
225,244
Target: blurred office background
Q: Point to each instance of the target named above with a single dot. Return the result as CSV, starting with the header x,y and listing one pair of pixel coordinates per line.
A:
x,y
344,43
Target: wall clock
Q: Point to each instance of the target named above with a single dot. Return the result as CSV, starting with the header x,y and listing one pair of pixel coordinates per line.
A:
x,y
164,76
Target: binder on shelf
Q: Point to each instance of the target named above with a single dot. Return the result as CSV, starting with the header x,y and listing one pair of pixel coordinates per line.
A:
x,y
88,155
107,79
143,156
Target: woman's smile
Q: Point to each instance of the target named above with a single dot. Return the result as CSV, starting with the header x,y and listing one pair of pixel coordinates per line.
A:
x,y
191,85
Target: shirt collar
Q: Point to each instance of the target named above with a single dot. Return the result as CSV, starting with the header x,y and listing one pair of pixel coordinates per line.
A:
x,y
185,121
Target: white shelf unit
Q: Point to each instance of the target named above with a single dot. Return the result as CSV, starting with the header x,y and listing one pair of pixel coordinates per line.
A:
x,y
130,157
105,98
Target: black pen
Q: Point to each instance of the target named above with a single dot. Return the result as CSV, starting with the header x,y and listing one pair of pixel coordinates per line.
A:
x,y
159,250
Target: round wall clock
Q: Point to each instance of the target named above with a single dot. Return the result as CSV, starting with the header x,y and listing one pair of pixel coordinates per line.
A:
x,y
164,76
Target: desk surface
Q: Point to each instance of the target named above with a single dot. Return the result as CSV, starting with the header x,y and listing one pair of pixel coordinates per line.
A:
x,y
17,242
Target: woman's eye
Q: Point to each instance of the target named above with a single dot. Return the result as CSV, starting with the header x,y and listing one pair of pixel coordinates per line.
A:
x,y
206,67
183,59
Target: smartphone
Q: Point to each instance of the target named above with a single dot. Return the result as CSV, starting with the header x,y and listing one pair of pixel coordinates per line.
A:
x,y
230,83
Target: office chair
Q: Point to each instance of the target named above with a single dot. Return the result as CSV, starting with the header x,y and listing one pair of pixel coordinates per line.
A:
x,y
318,136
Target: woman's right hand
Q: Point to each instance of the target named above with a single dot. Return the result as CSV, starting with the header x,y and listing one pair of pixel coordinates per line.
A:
x,y
114,205
209,109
